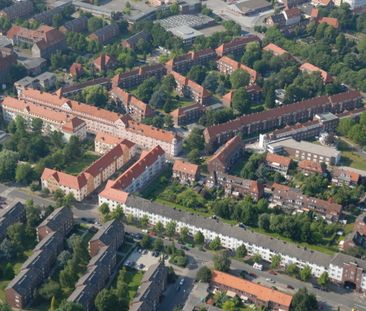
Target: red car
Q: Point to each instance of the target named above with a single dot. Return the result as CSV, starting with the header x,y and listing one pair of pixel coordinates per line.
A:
x,y
272,272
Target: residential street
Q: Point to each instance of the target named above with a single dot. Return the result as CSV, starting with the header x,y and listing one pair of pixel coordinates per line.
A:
x,y
331,300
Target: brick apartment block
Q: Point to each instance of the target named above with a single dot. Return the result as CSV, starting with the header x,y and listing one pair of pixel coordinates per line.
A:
x,y
227,66
136,108
185,172
111,234
101,120
216,135
93,176
11,214
189,88
60,220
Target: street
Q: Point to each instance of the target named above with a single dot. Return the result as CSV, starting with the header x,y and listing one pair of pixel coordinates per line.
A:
x,y
197,258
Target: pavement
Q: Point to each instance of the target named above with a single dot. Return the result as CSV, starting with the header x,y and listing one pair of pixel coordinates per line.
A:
x,y
331,300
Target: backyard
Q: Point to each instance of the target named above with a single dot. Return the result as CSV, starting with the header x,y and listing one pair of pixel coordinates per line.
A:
x,y
76,166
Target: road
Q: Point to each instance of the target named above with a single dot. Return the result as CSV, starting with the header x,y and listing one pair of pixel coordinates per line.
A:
x,y
341,298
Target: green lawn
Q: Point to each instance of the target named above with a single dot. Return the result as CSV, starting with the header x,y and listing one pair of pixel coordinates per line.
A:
x,y
352,159
77,166
133,279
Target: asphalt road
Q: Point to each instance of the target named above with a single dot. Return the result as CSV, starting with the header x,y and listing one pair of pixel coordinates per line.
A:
x,y
331,300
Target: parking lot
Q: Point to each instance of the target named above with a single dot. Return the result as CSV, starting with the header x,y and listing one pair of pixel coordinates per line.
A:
x,y
141,259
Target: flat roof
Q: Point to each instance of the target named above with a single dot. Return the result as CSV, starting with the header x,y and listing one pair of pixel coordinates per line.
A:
x,y
185,32
250,5
306,146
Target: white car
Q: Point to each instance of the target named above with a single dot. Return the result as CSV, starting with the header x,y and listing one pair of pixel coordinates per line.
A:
x,y
181,282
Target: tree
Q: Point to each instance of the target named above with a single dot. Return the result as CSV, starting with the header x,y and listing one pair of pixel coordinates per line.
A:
x,y
5,307
194,140
240,101
229,305
159,228
171,228
184,235
239,78
8,164
24,173
198,238
257,258
94,23
158,245
145,241
305,274
264,221
276,261
49,290
197,73
53,305
69,306
144,221
241,251
194,156
303,301
215,244
292,269
323,279
222,261
37,125
95,95
106,300
203,274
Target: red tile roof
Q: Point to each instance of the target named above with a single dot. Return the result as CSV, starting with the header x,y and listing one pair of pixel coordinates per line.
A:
x,y
63,179
310,166
330,21
184,81
176,113
135,170
236,65
226,151
236,42
351,175
262,293
275,158
76,69
275,49
107,139
312,68
185,167
72,124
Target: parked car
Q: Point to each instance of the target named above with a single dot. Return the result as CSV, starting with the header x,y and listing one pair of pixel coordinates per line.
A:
x,y
290,287
181,282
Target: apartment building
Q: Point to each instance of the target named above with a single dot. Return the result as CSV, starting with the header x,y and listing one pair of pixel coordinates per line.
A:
x,y
136,108
132,41
358,235
236,46
93,176
19,292
324,122
75,25
232,236
152,286
60,220
110,234
75,88
105,34
224,159
251,292
309,166
185,172
11,214
52,121
227,66
138,174
236,186
104,143
184,62
189,88
100,268
187,114
303,150
343,176
44,40
275,49
278,163
310,68
216,135
294,199
7,59
101,120
136,76
46,17
104,62
51,233
22,9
